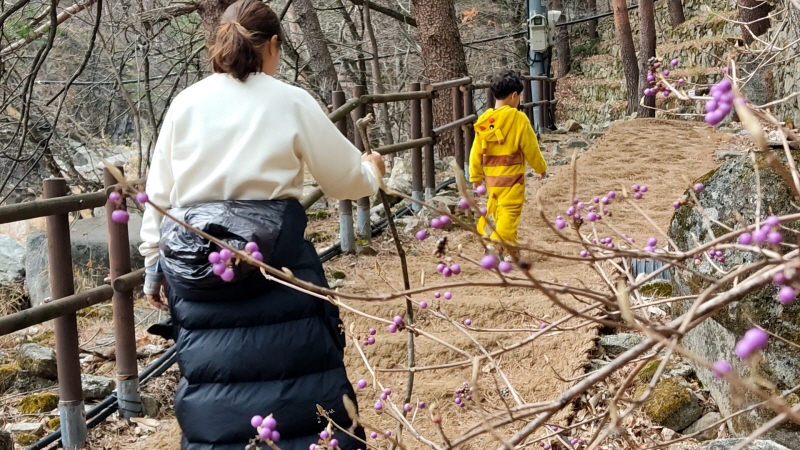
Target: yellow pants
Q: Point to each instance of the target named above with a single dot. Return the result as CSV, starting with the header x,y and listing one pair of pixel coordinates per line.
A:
x,y
505,209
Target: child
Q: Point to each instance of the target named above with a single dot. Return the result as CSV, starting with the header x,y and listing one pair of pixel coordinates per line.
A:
x,y
504,142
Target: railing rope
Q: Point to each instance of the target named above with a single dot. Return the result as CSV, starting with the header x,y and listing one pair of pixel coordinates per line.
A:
x,y
62,284
119,257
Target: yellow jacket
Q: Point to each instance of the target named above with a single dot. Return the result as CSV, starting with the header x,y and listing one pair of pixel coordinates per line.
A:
x,y
504,142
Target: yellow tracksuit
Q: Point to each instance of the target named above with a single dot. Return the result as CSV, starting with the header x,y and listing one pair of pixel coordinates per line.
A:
x,y
504,142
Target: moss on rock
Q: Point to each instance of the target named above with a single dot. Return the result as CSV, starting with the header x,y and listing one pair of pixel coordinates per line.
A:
x,y
646,374
38,403
8,374
670,405
657,288
25,439
54,423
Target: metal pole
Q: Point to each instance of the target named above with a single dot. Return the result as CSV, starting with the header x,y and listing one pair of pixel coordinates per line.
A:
x,y
458,133
119,260
537,64
469,108
416,153
59,255
427,131
346,231
363,226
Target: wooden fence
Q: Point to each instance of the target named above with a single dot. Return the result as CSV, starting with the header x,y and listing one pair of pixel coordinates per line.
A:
x,y
64,302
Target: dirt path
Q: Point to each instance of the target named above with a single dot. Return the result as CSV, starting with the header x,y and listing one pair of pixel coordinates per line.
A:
x,y
663,155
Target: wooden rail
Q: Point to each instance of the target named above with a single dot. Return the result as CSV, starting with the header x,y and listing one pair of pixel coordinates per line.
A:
x,y
58,203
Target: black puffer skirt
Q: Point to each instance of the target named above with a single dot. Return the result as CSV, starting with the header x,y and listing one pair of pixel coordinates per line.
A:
x,y
250,346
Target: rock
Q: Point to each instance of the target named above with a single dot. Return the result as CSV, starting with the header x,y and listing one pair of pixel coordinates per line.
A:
x,y
730,191
8,374
656,288
38,361
96,387
12,261
25,439
150,406
703,423
24,427
89,239
572,127
38,403
400,177
614,344
729,444
670,405
555,150
6,443
577,143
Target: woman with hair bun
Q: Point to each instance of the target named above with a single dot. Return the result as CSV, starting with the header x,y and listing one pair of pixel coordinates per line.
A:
x,y
229,160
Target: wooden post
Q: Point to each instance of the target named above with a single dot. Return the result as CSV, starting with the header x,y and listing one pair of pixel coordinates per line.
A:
x,y
469,108
346,231
62,284
527,97
119,256
552,107
489,98
363,225
416,153
542,106
427,131
458,133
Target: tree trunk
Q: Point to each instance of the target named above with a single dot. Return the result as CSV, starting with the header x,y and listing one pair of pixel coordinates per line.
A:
x,y
592,24
754,15
676,16
210,12
443,56
325,79
562,42
647,50
622,24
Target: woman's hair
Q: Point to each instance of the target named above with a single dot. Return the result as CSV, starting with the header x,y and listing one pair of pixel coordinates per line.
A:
x,y
506,83
244,29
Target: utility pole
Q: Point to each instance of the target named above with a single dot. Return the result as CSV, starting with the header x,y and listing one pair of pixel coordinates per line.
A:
x,y
536,61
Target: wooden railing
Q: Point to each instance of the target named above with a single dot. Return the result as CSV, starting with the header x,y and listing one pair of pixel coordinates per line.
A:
x,y
64,303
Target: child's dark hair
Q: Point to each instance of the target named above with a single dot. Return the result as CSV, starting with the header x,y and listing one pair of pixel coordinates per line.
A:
x,y
506,83
246,26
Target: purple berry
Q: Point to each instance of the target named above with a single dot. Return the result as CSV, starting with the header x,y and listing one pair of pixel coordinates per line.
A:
x,y
219,269
774,238
456,269
421,405
605,200
387,433
787,295
383,396
489,262
275,436
373,331
256,421
480,190
214,258
721,368
225,254
142,197
699,187
258,256
361,385
392,328
370,340
446,272
505,266
760,236
422,235
457,400
448,295
227,275
436,223
423,304
373,435
378,406
779,279
591,217
334,443
637,196
773,221
397,320
483,211
676,205
440,267
407,407
467,322
665,72
265,433
560,224
120,216
387,391
745,238
114,197
270,423
651,242
463,204
444,221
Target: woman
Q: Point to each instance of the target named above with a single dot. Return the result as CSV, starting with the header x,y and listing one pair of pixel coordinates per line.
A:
x,y
229,160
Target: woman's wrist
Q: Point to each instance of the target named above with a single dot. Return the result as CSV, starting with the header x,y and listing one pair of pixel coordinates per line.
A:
x,y
153,277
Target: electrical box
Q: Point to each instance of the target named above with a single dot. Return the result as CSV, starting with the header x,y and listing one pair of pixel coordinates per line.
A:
x,y
552,19
539,33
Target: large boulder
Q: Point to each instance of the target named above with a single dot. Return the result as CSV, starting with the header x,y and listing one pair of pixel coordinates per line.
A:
x,y
89,238
12,261
731,190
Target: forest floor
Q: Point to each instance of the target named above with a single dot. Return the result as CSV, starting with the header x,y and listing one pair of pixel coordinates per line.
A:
x,y
666,156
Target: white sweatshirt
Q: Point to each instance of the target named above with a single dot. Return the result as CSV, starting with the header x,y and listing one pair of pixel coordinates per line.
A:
x,y
226,140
